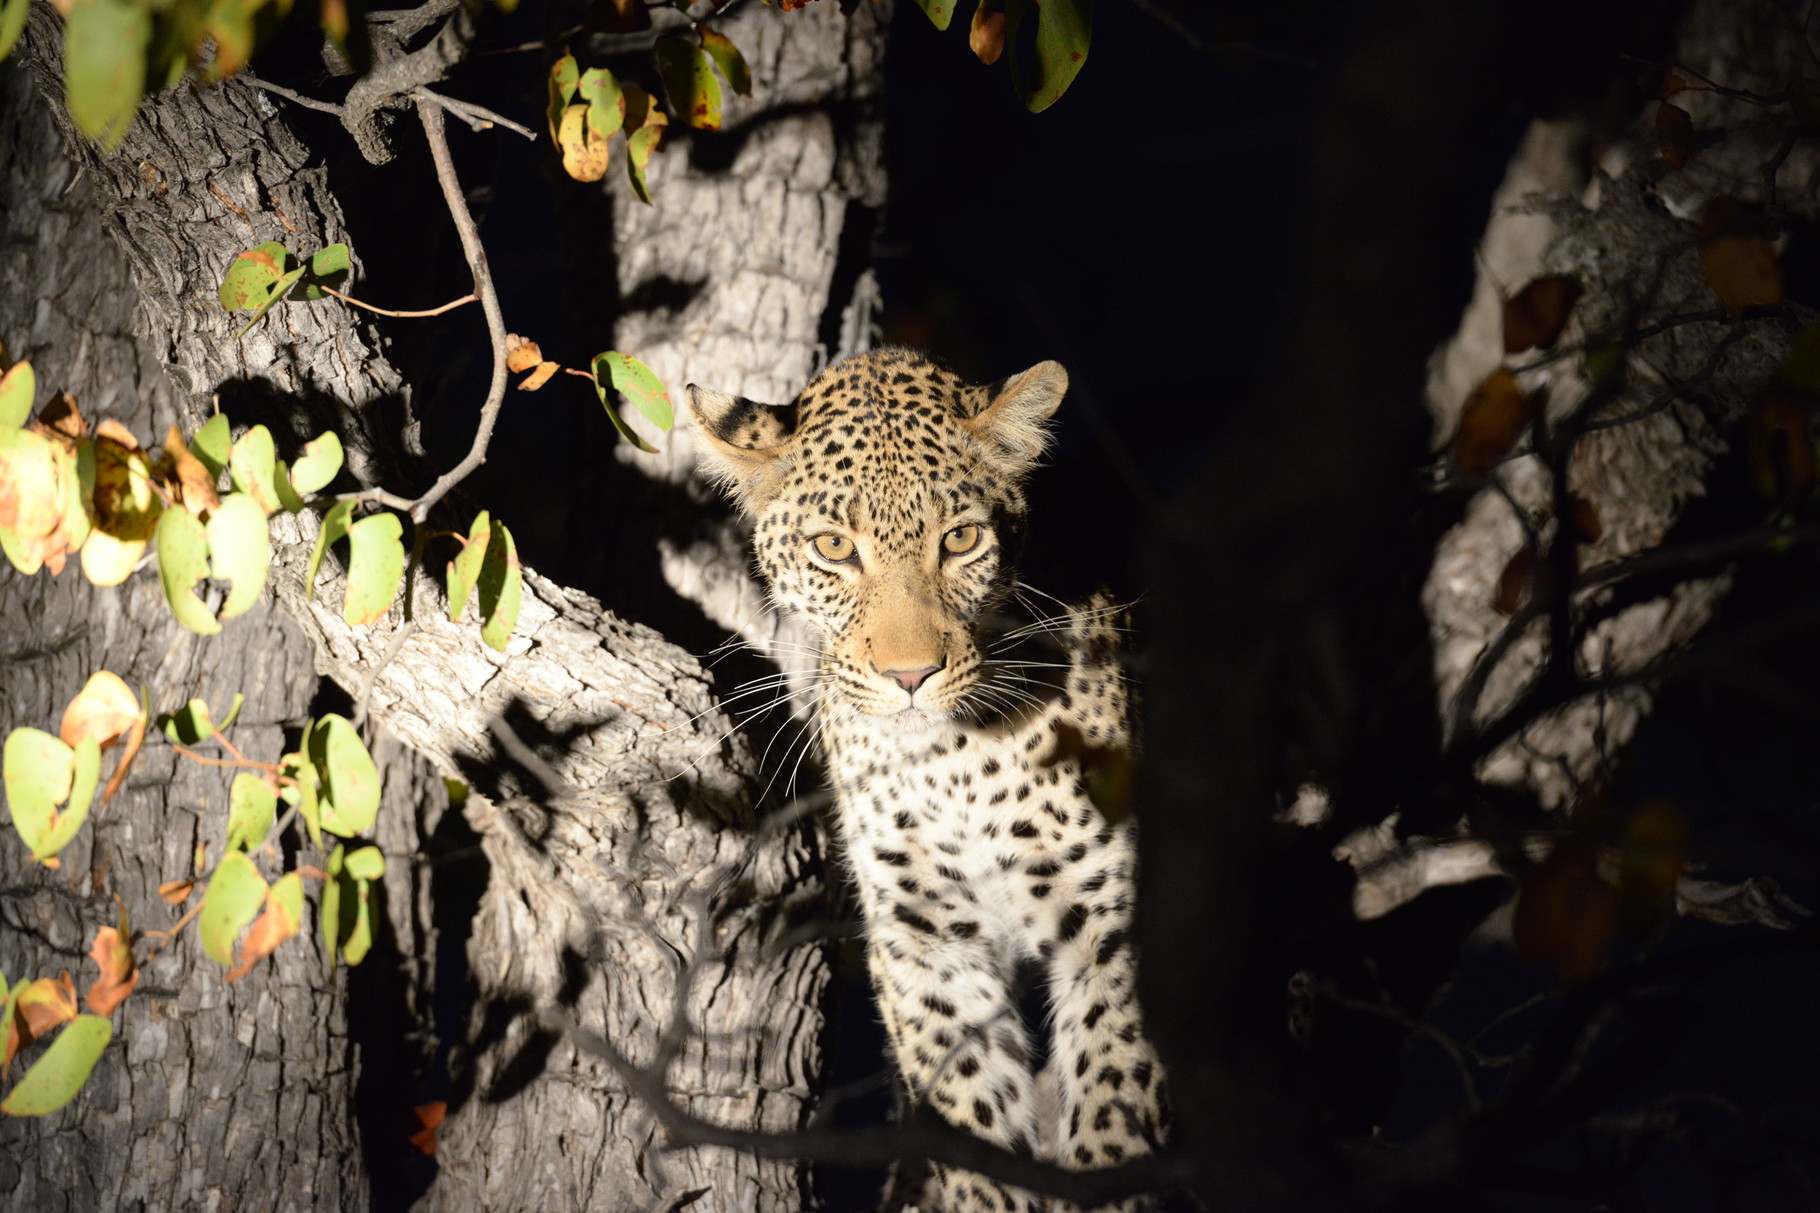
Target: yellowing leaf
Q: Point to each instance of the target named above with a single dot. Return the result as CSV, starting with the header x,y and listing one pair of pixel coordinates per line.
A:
x,y
281,919
240,551
322,458
334,526
213,444
501,586
584,153
645,125
235,893
464,570
254,468
18,386
105,709
252,805
189,480
302,791
564,74
55,1077
537,378
606,103
727,58
689,83
349,799
44,1004
986,36
249,280
183,563
375,568
49,788
521,354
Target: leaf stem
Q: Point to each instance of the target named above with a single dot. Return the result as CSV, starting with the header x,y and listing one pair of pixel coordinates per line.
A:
x,y
405,315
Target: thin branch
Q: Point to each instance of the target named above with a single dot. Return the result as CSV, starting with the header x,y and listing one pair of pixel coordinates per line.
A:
x,y
477,117
386,311
431,116
327,107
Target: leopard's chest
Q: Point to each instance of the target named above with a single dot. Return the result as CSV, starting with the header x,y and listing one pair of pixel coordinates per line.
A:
x,y
966,821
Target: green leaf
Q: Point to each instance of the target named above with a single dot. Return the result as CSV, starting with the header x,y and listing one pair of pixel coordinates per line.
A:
x,y
288,500
252,806
236,893
641,387
17,388
320,462
12,22
249,281
232,712
254,468
464,570
104,45
287,895
727,58
55,1077
359,938
606,104
303,793
189,724
1063,30
240,548
334,526
41,774
689,83
941,12
328,267
564,74
183,562
501,586
213,443
645,124
279,291
375,568
350,782
368,863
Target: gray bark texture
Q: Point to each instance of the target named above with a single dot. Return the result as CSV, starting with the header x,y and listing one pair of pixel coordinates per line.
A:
x,y
625,856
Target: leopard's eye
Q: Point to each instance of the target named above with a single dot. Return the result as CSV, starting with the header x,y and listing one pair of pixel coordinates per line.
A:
x,y
961,540
834,548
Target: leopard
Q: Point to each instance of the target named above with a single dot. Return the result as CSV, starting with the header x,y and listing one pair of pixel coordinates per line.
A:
x,y
887,504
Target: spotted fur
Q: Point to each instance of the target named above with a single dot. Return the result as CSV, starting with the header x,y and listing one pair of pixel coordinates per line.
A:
x,y
887,501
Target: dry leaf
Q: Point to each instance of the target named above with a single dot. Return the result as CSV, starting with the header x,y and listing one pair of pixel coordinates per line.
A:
x,y
521,353
105,709
186,476
539,377
987,33
430,1116
1675,134
114,953
1738,257
176,892
1535,315
1492,420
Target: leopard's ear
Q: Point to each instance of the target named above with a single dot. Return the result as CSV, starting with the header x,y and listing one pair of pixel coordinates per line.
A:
x,y
739,441
1014,415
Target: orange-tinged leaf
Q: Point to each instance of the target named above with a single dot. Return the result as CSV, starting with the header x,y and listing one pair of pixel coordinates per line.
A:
x,y
43,1005
521,353
61,417
1494,417
281,919
1513,583
1584,519
193,483
105,709
113,952
1675,134
1672,83
430,1116
176,892
539,377
1535,315
986,36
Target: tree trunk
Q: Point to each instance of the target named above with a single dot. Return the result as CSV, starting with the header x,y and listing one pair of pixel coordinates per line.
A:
x,y
631,856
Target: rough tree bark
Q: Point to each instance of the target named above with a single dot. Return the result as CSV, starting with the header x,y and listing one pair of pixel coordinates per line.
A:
x,y
633,851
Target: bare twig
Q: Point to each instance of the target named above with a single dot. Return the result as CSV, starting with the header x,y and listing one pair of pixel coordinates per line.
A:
x,y
327,107
403,315
478,117
431,116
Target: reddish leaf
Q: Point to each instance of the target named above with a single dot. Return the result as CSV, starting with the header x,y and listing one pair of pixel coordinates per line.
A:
x,y
1513,583
176,892
1584,520
1494,417
430,1116
1737,256
987,34
1535,315
1566,916
1779,440
43,1005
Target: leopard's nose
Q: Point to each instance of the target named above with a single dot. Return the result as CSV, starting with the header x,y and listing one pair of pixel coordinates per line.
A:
x,y
910,679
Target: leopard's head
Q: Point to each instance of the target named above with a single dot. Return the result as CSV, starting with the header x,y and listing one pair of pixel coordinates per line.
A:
x,y
888,504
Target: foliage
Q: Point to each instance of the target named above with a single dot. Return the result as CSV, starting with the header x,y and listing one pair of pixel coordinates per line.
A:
x,y
1048,40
